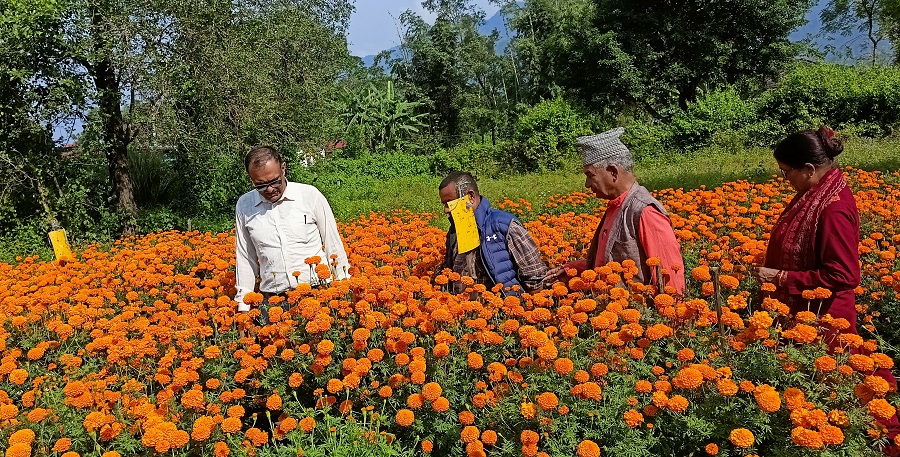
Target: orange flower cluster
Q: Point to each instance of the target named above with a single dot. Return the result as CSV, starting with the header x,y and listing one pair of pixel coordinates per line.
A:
x,y
142,338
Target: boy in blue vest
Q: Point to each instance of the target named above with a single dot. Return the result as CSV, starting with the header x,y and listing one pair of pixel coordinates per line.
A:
x,y
507,254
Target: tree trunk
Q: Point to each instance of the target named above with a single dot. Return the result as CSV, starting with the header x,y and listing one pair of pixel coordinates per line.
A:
x,y
115,136
44,199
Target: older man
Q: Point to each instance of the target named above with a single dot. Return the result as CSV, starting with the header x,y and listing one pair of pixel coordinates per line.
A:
x,y
635,225
279,225
506,253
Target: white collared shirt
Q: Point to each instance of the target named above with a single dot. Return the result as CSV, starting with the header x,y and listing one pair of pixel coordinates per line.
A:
x,y
282,235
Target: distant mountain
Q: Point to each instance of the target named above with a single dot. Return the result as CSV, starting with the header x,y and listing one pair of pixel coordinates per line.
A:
x,y
494,22
855,45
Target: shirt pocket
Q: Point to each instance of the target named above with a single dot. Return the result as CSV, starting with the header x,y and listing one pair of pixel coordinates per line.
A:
x,y
300,227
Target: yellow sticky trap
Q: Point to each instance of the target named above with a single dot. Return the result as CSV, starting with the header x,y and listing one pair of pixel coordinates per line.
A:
x,y
463,215
61,245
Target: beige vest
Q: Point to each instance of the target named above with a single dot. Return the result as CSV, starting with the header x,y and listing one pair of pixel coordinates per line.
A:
x,y
623,240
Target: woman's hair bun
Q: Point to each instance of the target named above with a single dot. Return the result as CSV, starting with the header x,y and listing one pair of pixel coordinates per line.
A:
x,y
832,145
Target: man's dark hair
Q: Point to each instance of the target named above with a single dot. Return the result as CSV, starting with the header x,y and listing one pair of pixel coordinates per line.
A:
x,y
464,182
259,155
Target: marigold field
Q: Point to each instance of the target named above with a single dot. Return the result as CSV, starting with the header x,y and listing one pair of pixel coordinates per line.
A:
x,y
137,349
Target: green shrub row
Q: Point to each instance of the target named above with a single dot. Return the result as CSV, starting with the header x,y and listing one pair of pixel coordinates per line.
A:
x,y
860,101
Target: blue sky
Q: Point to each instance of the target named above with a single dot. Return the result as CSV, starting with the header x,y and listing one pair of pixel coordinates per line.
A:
x,y
374,26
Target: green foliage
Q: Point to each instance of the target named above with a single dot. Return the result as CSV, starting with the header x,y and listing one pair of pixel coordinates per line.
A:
x,y
838,95
452,67
154,177
480,159
648,52
379,119
546,135
876,19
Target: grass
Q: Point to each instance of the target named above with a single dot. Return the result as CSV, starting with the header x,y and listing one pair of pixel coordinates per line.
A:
x,y
710,168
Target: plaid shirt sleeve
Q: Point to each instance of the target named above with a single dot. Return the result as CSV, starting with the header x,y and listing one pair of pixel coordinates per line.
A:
x,y
531,269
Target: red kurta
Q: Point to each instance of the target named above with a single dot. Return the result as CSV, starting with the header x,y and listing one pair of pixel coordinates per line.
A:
x,y
836,266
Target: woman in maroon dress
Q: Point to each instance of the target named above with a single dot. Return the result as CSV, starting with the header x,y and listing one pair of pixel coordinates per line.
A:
x,y
816,240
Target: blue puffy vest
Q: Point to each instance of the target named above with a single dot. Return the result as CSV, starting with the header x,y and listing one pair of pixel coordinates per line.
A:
x,y
493,225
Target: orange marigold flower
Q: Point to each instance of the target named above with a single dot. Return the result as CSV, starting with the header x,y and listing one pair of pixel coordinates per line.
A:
x,y
741,437
441,404
677,404
701,273
307,424
685,354
633,418
726,387
203,428
432,391
334,385
688,378
529,437
231,425
18,450
831,435
427,446
193,399
825,363
466,418
563,366
273,403
880,409
24,436
415,401
221,449
528,410
547,401
839,418
643,386
862,363
469,434
62,445
587,448
807,438
404,417
475,360
767,398
257,436
8,412
711,449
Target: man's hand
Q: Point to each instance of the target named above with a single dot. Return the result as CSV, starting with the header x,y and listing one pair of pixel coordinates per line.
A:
x,y
554,274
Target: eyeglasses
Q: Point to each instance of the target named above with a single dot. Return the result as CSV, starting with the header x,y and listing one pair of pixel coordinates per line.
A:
x,y
273,183
785,173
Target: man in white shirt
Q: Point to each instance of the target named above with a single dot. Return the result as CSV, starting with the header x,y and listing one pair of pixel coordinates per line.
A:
x,y
279,225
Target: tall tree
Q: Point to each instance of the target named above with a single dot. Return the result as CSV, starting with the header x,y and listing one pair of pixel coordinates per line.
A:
x,y
250,72
36,90
454,68
658,52
877,19
198,76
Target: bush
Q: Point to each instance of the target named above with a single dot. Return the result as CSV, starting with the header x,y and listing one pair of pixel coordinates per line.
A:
x,y
153,175
864,99
545,135
480,159
716,117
